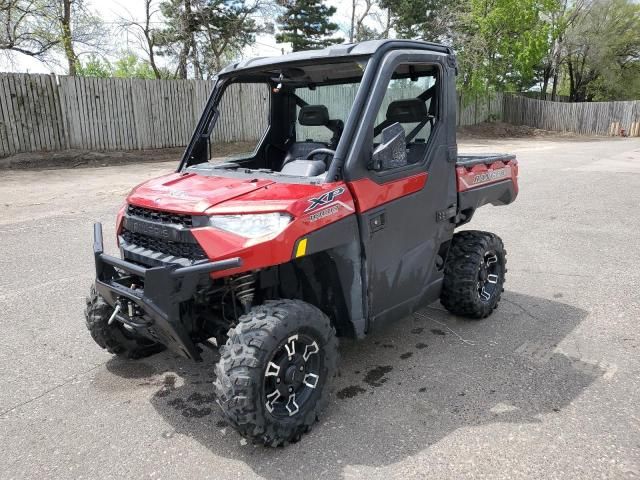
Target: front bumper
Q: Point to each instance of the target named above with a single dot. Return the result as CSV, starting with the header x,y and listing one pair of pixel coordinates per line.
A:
x,y
157,305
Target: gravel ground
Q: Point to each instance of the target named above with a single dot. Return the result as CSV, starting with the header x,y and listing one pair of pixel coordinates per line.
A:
x,y
548,387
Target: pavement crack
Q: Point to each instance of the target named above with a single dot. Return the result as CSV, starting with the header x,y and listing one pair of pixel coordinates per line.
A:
x,y
524,310
468,342
46,392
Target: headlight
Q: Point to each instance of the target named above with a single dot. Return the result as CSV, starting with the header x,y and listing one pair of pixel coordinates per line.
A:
x,y
252,225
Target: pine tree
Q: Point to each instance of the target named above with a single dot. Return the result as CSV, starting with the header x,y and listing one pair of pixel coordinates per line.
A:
x,y
306,24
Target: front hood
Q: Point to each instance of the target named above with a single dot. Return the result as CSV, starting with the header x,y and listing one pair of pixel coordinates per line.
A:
x,y
191,193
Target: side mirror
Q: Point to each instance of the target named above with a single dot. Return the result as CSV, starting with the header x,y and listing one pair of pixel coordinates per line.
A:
x,y
392,151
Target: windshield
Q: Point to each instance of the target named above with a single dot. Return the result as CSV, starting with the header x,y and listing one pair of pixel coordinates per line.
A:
x,y
268,119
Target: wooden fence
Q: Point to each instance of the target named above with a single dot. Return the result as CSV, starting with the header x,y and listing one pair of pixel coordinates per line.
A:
x,y
48,113
592,118
45,113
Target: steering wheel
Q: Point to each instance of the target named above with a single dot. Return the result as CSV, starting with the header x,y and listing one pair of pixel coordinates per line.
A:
x,y
317,151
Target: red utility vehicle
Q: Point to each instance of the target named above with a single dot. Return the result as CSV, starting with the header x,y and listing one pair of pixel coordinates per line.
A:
x,y
339,220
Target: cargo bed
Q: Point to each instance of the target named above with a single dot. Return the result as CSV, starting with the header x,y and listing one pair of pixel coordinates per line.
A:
x,y
483,179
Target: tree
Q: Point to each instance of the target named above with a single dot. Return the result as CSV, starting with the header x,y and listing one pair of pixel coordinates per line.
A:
x,y
602,52
44,29
306,24
502,43
358,30
145,36
94,66
25,29
201,34
431,20
226,30
129,65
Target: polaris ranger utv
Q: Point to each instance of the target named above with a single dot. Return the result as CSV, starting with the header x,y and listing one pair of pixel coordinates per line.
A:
x,y
339,221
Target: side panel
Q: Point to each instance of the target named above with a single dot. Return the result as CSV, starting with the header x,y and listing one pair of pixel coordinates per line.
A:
x,y
333,254
367,194
474,176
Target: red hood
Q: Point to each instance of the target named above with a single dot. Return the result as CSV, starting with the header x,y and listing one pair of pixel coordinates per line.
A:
x,y
191,193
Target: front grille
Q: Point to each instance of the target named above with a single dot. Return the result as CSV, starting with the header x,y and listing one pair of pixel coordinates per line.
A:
x,y
191,251
167,218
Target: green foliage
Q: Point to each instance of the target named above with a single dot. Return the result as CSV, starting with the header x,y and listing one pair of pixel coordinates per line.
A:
x,y
430,20
505,40
48,30
94,67
203,34
603,52
128,65
306,24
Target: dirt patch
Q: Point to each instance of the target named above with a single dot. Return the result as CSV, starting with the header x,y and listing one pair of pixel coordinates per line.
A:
x,y
84,158
505,130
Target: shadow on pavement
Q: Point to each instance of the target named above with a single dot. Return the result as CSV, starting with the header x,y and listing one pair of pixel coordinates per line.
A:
x,y
399,391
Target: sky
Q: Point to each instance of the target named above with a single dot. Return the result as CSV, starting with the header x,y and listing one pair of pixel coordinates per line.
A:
x,y
111,11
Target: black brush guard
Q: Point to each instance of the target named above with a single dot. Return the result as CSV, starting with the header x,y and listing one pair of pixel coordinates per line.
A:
x,y
165,288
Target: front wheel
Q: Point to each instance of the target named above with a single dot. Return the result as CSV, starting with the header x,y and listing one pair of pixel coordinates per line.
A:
x,y
474,274
275,369
114,338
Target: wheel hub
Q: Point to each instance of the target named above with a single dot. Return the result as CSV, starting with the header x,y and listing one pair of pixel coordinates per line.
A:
x,y
292,375
488,276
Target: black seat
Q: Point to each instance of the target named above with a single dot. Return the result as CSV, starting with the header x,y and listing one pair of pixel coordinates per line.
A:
x,y
412,110
309,116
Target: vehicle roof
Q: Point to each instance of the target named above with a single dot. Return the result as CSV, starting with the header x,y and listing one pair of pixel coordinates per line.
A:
x,y
344,50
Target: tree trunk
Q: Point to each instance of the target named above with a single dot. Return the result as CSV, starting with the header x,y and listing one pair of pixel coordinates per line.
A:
x,y
183,56
388,27
149,37
572,84
353,20
546,73
67,40
197,69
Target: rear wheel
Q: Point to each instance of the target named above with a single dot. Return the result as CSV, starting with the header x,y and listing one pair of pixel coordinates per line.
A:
x,y
274,371
474,274
114,338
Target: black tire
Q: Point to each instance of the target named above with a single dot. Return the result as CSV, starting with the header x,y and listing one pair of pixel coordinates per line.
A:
x,y
113,338
466,290
243,372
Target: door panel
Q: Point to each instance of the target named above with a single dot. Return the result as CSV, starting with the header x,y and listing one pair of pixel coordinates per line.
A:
x,y
401,240
368,194
397,210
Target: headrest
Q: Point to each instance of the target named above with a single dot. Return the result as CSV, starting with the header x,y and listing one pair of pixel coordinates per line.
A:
x,y
407,111
313,115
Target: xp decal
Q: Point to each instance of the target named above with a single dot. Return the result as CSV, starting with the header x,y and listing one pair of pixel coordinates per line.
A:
x,y
324,199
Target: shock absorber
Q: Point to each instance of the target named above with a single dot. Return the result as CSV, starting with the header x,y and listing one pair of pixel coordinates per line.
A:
x,y
244,288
